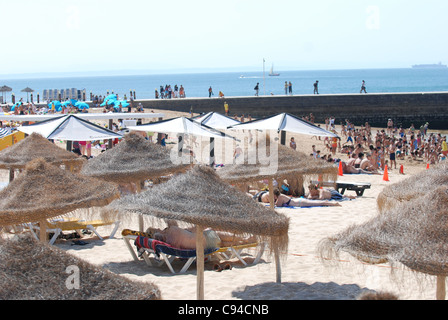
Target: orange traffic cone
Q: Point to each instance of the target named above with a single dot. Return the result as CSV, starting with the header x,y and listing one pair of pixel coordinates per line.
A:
x,y
401,169
385,175
341,173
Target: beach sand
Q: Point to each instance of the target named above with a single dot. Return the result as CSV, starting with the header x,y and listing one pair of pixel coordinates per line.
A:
x,y
304,275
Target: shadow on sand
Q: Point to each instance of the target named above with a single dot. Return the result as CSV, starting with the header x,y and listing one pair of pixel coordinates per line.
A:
x,y
300,291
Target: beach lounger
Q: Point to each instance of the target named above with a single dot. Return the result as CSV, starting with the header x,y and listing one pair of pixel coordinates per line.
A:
x,y
358,187
226,253
156,253
58,226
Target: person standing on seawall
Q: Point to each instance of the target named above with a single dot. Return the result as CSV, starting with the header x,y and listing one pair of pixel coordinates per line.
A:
x,y
256,89
316,90
363,87
290,87
210,92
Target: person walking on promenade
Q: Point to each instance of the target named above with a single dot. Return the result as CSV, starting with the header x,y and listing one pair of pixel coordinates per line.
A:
x,y
363,87
256,89
226,108
210,92
316,84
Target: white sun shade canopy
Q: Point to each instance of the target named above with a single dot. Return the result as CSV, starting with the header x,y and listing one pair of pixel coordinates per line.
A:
x,y
70,128
284,122
216,120
180,125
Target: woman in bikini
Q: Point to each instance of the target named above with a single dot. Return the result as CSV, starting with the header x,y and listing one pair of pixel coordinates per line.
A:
x,y
282,200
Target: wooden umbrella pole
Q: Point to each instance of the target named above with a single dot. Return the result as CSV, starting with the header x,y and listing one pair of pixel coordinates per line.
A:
x,y
43,230
11,174
441,288
277,265
141,224
200,262
271,193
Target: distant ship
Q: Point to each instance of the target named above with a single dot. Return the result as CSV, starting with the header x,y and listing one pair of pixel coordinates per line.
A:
x,y
429,66
272,74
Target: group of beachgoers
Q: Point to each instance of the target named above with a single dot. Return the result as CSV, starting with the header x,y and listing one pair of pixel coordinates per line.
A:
x,y
167,92
371,152
283,196
30,108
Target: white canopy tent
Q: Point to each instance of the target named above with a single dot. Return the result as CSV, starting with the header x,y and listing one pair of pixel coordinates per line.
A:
x,y
184,126
70,128
180,125
284,122
216,120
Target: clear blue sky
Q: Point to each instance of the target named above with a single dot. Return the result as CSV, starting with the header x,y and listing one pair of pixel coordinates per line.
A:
x,y
90,35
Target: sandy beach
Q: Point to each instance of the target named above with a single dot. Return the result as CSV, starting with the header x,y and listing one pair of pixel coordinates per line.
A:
x,y
304,275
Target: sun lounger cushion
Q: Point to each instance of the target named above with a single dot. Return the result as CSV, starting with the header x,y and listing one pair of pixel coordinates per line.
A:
x,y
159,246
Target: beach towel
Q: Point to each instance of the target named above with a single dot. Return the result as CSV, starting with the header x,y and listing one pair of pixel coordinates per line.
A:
x,y
160,246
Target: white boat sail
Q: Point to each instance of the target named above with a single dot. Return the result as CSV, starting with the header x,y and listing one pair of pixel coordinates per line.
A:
x,y
272,74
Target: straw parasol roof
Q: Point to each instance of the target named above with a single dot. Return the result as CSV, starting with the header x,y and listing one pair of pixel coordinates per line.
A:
x,y
413,233
200,197
44,191
285,163
134,159
31,270
32,147
413,187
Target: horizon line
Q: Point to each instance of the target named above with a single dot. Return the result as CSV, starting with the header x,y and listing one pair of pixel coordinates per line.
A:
x,y
131,72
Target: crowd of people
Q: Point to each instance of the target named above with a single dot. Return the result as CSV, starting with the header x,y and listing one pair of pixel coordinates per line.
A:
x,y
370,152
167,92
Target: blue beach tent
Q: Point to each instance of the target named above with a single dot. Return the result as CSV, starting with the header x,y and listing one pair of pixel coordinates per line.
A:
x,y
81,105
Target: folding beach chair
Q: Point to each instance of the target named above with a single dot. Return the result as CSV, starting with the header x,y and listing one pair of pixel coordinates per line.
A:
x,y
58,226
156,253
358,187
227,253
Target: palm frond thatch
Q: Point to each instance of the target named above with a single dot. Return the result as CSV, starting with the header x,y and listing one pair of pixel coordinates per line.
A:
x,y
31,270
287,164
413,187
200,197
32,147
44,191
133,159
413,233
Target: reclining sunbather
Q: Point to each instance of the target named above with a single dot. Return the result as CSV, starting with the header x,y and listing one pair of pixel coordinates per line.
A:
x,y
325,194
282,200
186,238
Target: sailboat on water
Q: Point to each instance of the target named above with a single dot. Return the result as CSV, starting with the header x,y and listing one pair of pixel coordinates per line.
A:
x,y
272,73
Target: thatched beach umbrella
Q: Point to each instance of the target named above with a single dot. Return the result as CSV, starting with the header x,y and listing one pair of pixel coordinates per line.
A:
x,y
133,160
270,160
413,187
31,270
4,89
27,90
45,191
32,147
413,233
199,197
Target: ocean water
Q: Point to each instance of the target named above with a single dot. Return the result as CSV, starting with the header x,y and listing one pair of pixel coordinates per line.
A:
x,y
243,83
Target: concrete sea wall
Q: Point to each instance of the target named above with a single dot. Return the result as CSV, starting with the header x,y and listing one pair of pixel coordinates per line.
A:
x,y
404,108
